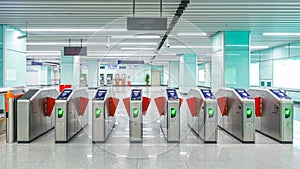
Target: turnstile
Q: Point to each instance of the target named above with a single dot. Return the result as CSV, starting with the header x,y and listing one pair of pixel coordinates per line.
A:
x,y
71,113
35,116
101,76
274,114
103,107
203,119
237,110
11,97
170,122
136,116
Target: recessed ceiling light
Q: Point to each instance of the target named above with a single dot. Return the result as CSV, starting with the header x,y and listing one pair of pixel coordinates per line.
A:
x,y
259,47
86,43
138,48
136,37
189,47
74,30
281,34
192,34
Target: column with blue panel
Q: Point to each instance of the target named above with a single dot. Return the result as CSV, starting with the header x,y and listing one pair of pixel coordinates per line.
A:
x,y
217,61
187,69
12,57
67,69
70,70
49,81
14,60
173,74
237,59
231,60
92,73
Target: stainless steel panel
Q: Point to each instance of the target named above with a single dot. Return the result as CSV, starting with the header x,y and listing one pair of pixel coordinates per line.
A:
x,y
61,126
23,120
99,126
11,121
173,122
136,122
211,121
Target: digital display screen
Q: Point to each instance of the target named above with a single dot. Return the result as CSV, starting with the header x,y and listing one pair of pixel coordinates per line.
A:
x,y
280,94
172,94
207,94
65,94
73,51
136,94
100,95
243,93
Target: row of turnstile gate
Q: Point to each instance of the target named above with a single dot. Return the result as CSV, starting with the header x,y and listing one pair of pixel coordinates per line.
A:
x,y
238,112
31,113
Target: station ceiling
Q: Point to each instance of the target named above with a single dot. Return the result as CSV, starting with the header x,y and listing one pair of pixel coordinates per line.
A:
x,y
101,24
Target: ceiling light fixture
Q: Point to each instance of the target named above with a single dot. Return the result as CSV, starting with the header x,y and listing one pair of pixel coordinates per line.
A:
x,y
74,30
281,34
192,34
136,37
138,48
85,43
189,47
259,47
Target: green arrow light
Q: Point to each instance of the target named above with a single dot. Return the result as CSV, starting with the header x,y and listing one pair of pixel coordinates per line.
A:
x,y
60,112
173,112
211,112
98,112
287,113
249,112
135,112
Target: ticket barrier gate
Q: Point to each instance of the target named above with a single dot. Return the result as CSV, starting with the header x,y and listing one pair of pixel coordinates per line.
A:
x,y
11,97
104,107
274,114
101,76
35,116
203,119
136,106
71,114
237,110
169,109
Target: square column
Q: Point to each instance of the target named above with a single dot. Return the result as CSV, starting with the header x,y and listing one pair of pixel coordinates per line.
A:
x,y
231,60
70,70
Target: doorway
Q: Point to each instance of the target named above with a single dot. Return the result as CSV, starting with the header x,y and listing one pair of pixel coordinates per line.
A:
x,y
155,78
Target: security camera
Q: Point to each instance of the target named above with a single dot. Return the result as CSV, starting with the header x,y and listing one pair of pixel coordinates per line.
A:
x,y
168,45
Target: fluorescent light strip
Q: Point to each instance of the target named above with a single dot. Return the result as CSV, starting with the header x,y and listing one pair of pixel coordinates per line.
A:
x,y
53,51
43,54
192,34
259,47
188,47
281,34
85,43
74,30
146,43
138,48
136,37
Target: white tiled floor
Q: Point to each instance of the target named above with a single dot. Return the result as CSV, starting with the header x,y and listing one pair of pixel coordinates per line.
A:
x,y
154,152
